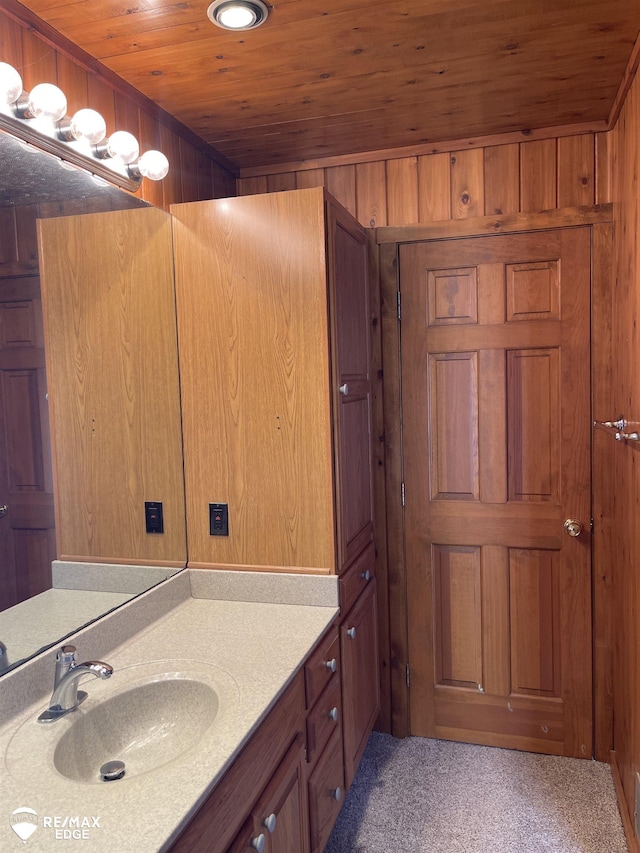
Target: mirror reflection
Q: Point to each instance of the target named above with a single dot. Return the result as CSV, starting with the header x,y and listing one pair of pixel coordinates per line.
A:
x,y
40,608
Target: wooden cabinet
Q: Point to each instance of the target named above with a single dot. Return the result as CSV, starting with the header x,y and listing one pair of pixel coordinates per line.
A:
x,y
360,676
273,326
114,401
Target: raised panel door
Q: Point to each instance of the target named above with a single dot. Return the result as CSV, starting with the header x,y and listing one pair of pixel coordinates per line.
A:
x,y
496,422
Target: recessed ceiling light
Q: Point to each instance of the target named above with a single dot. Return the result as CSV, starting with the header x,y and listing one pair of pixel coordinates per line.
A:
x,y
238,14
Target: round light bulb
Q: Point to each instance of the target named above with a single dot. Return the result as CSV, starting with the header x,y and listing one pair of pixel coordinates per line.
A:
x,y
10,83
88,126
238,14
236,17
47,101
123,146
153,165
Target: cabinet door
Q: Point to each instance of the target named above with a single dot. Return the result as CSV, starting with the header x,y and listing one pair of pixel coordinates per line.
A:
x,y
279,822
360,685
326,790
351,375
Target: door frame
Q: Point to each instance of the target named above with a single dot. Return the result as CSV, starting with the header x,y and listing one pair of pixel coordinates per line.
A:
x,y
391,567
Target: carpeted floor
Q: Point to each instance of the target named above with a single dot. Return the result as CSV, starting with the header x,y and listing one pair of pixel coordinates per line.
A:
x,y
431,796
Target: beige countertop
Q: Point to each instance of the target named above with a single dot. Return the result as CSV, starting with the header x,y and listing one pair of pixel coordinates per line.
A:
x,y
252,650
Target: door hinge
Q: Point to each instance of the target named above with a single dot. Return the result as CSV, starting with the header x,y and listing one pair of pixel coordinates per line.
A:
x,y
402,489
591,526
399,303
408,676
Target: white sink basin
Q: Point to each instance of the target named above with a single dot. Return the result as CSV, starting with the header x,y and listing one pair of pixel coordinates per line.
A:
x,y
145,716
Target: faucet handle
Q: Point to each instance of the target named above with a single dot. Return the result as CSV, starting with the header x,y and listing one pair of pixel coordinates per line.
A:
x,y
65,660
66,654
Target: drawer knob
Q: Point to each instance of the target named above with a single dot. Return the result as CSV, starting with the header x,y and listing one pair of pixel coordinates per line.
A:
x,y
351,633
333,714
258,843
336,793
270,822
366,575
344,390
331,664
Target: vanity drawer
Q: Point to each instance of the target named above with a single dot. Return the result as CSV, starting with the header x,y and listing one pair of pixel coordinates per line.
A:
x,y
321,666
357,576
324,719
326,793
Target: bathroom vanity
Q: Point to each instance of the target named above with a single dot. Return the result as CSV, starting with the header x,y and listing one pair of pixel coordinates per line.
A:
x,y
228,705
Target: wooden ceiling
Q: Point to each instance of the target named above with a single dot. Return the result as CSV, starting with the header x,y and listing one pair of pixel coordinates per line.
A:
x,y
334,77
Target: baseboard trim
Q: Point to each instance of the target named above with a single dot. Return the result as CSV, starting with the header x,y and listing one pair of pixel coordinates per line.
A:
x,y
627,819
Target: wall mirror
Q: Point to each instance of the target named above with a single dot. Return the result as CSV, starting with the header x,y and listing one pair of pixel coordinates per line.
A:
x,y
33,615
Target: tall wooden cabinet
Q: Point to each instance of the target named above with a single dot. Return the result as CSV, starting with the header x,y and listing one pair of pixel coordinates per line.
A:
x,y
273,328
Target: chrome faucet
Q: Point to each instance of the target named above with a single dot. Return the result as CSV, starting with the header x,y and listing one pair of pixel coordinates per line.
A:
x,y
66,697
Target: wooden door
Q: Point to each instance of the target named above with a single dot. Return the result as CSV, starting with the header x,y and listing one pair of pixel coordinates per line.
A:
x,y
496,426
27,532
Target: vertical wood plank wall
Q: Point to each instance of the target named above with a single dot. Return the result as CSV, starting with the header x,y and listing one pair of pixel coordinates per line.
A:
x,y
622,501
517,177
194,175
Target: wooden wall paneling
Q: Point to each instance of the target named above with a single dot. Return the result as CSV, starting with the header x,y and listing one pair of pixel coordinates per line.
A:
x,y
398,649
537,175
8,237
371,197
501,179
224,183
188,171
341,183
402,190
11,42
25,218
280,183
603,167
604,488
625,154
39,61
576,170
72,79
434,187
149,137
379,474
101,97
467,184
252,186
309,178
172,184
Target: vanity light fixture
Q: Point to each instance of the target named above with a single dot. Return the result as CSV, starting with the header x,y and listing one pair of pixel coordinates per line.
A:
x,y
38,118
238,14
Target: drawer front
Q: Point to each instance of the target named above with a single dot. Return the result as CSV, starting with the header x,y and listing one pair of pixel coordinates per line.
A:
x,y
324,719
321,666
326,793
354,580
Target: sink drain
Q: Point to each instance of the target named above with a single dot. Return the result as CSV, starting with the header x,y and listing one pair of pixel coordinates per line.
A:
x,y
111,771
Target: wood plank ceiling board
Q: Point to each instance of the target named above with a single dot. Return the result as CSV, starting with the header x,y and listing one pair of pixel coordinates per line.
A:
x,y
340,77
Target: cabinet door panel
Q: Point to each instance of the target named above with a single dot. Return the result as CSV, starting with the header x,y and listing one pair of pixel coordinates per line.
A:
x,y
326,791
360,685
281,812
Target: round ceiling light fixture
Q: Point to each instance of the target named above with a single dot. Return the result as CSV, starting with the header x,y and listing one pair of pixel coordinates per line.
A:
x,y
238,14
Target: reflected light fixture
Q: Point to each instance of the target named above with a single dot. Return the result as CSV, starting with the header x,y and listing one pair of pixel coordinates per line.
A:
x,y
238,14
38,118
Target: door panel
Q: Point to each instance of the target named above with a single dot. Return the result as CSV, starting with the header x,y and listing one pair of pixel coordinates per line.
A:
x,y
496,426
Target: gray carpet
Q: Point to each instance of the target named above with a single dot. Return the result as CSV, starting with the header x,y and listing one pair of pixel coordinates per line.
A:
x,y
431,796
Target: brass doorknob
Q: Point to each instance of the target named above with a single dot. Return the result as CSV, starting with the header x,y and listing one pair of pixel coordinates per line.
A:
x,y
573,527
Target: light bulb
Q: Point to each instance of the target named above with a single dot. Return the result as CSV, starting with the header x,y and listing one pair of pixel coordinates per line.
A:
x,y
47,101
123,146
236,17
10,83
153,165
88,126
